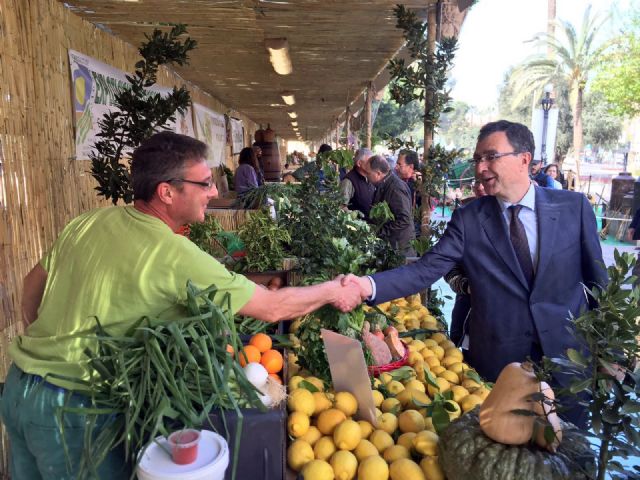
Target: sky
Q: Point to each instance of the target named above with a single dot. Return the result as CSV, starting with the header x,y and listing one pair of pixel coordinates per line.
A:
x,y
492,39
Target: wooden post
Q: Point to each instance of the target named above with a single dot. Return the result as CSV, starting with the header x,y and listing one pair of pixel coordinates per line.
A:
x,y
337,133
348,123
367,117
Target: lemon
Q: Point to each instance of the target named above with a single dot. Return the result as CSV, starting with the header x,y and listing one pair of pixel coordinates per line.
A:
x,y
411,421
457,368
438,337
470,384
483,392
404,469
344,464
297,424
299,453
312,435
376,383
406,440
373,468
390,405
447,361
438,369
416,385
428,424
447,344
322,402
324,448
454,352
417,345
450,377
426,443
443,385
294,382
347,435
317,470
301,400
346,402
316,382
430,342
381,440
429,323
414,357
432,361
395,452
388,422
438,351
329,419
378,398
365,449
385,378
394,387
470,402
459,392
365,428
414,399
431,468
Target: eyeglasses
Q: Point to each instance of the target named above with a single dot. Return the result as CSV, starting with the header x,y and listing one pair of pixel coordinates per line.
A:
x,y
490,157
206,185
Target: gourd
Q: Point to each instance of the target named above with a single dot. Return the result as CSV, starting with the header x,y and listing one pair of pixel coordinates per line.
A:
x,y
513,390
465,453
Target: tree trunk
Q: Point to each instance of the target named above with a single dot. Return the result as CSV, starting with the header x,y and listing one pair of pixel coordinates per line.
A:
x,y
577,128
367,108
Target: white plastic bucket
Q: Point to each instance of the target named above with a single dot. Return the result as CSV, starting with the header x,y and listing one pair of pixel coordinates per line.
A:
x,y
211,464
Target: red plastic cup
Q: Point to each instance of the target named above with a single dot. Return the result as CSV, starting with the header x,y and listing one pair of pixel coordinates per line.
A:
x,y
184,446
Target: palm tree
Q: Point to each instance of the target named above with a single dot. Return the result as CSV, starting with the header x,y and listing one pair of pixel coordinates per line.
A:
x,y
571,57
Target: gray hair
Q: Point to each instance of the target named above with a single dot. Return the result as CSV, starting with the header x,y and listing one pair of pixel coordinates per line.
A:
x,y
361,154
379,164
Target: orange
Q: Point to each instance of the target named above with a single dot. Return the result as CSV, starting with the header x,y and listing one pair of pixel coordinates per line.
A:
x,y
272,360
261,341
249,354
230,350
276,377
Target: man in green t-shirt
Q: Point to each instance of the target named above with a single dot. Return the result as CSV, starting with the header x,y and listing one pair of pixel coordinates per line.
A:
x,y
118,264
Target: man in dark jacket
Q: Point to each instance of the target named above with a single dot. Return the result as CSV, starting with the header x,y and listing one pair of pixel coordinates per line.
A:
x,y
538,176
356,188
391,189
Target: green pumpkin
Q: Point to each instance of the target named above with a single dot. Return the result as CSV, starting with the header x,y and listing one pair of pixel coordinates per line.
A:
x,y
465,453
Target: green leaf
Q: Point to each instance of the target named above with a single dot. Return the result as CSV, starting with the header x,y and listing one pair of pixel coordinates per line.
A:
x,y
308,386
576,357
440,418
577,387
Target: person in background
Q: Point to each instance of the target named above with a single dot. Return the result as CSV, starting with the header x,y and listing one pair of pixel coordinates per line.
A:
x,y
528,253
259,166
118,264
246,177
633,235
407,168
538,176
356,189
553,171
399,232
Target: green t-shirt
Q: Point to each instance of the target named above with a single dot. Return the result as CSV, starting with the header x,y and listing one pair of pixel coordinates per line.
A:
x,y
116,264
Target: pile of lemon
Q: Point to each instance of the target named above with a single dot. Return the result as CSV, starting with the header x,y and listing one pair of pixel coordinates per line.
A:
x,y
328,444
410,313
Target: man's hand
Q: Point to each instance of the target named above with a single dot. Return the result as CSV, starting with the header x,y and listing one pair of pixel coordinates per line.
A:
x,y
347,294
363,283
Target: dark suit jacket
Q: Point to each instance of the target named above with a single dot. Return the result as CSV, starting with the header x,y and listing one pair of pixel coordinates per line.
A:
x,y
506,315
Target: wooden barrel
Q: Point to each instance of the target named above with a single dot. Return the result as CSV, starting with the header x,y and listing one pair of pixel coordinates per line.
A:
x,y
270,161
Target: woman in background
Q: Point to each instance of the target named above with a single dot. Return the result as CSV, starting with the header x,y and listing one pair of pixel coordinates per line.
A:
x,y
246,177
554,172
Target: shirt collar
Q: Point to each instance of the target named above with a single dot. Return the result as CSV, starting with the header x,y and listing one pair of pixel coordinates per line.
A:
x,y
528,201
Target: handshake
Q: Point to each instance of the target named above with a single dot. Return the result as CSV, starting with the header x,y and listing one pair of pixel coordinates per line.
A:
x,y
350,291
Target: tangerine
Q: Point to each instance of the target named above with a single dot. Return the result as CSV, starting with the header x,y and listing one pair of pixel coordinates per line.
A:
x,y
276,377
272,360
249,354
261,341
230,350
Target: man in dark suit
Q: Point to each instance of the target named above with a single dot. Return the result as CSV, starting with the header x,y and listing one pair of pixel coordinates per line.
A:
x,y
526,265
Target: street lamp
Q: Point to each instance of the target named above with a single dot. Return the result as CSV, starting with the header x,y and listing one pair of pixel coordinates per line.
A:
x,y
547,103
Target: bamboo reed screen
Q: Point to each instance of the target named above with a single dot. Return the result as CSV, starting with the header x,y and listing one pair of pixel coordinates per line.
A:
x,y
42,186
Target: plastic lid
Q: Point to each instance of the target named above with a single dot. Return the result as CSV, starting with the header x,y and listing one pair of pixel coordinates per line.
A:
x,y
157,461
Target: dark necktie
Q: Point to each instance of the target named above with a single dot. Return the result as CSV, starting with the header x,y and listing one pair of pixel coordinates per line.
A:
x,y
520,243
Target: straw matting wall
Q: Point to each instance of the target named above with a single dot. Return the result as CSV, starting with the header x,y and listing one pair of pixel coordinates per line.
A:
x,y
41,186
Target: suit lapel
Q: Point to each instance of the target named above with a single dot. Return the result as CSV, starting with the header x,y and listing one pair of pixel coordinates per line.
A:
x,y
547,214
496,229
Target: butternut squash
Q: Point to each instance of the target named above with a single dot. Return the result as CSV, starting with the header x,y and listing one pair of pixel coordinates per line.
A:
x,y
513,390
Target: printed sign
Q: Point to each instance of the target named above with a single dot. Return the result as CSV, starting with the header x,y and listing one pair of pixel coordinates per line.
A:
x,y
211,129
237,135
